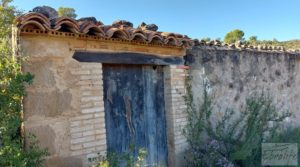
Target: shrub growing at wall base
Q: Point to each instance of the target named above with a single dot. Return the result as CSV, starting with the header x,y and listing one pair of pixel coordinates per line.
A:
x,y
235,139
12,89
127,159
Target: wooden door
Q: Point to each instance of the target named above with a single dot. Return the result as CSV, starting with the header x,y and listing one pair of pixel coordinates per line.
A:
x,y
134,110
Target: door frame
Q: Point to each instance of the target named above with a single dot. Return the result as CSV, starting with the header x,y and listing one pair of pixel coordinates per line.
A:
x,y
174,90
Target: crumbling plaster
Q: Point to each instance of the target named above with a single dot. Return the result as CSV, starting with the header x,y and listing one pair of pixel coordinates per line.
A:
x,y
233,75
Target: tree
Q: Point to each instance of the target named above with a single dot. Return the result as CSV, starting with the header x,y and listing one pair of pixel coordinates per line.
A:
x,y
6,19
12,90
275,42
4,3
253,40
68,12
234,36
206,39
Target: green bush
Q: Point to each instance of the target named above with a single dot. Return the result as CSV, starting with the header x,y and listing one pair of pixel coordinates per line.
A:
x,y
235,140
12,90
113,159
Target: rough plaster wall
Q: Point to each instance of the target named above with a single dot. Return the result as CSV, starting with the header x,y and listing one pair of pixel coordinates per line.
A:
x,y
64,105
233,75
53,98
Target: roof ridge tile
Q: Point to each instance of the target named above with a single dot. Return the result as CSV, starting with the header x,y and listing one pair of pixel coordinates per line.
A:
x,y
120,29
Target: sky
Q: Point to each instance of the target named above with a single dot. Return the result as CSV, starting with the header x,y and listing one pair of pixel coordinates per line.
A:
x,y
266,19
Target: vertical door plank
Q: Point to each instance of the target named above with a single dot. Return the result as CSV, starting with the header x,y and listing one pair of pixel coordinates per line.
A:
x,y
134,110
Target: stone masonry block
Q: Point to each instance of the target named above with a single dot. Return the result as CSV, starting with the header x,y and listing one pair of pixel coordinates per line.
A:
x,y
82,140
92,110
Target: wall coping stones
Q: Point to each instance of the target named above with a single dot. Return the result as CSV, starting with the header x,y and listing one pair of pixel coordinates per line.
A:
x,y
238,46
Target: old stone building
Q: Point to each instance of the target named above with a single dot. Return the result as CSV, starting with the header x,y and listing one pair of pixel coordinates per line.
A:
x,y
104,87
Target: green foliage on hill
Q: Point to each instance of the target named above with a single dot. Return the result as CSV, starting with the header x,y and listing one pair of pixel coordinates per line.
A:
x,y
291,44
238,35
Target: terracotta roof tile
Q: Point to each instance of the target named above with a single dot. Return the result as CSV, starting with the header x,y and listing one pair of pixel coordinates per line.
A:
x,y
45,18
34,19
120,29
66,24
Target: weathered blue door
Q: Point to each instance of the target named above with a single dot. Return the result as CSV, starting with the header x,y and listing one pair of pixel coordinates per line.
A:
x,y
134,110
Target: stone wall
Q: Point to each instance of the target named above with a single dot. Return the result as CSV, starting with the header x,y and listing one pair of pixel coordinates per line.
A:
x,y
64,105
234,74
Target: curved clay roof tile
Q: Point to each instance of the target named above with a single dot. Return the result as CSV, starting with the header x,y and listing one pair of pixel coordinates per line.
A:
x,y
66,23
136,34
155,38
90,28
138,37
171,40
84,26
105,28
133,31
93,29
117,33
121,29
32,24
33,17
61,20
151,34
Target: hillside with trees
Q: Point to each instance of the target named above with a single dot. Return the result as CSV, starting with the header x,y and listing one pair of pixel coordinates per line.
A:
x,y
238,35
291,44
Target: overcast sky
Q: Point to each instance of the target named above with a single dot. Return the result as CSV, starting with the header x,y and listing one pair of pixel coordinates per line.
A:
x,y
266,19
